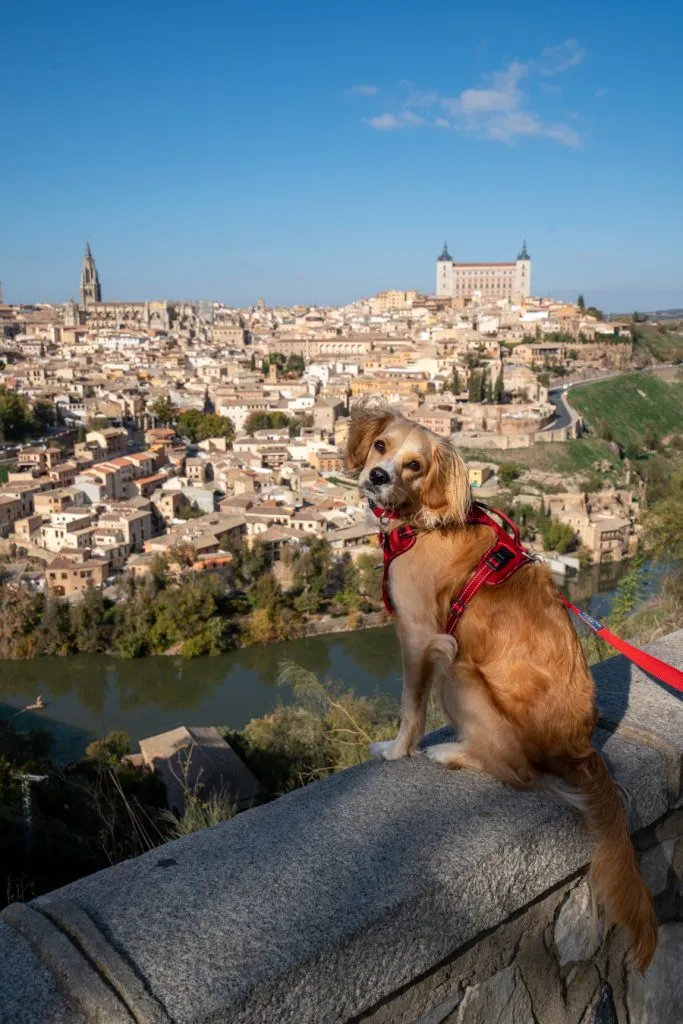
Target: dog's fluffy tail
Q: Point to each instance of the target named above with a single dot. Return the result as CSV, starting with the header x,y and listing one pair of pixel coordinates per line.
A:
x,y
615,873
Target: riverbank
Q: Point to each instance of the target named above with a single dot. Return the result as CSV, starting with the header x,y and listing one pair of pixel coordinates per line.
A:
x,y
88,695
326,625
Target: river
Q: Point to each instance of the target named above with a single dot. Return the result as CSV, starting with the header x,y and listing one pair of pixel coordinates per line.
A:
x,y
88,695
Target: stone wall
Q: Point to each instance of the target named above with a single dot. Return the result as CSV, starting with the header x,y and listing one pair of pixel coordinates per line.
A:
x,y
392,893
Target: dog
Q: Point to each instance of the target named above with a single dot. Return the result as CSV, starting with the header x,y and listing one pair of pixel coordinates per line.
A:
x,y
516,683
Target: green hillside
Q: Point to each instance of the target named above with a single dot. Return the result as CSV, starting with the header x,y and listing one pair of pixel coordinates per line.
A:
x,y
631,404
663,343
560,457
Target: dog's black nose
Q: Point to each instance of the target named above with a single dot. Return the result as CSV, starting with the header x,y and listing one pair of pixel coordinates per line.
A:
x,y
378,476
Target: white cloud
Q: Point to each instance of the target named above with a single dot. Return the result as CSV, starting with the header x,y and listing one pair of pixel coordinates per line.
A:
x,y
497,109
555,60
408,117
362,90
384,122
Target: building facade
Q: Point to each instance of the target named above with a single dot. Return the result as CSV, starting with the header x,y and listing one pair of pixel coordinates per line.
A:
x,y
483,282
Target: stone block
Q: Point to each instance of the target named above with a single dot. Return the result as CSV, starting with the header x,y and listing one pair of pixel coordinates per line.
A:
x,y
657,997
28,990
502,999
577,932
656,863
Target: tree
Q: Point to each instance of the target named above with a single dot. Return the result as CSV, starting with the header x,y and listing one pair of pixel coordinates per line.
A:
x,y
488,387
650,438
252,363
507,472
53,631
88,623
109,750
595,312
370,577
266,421
188,423
99,423
200,426
454,386
266,594
189,510
663,524
295,365
581,302
164,410
213,425
604,430
16,420
476,386
499,388
44,414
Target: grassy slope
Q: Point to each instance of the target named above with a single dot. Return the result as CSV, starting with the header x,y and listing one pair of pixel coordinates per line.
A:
x,y
562,457
630,404
664,347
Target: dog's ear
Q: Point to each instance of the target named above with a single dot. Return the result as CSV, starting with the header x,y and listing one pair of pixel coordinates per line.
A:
x,y
367,423
446,495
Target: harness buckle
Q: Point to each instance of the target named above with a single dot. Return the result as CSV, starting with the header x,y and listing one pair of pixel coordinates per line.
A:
x,y
499,558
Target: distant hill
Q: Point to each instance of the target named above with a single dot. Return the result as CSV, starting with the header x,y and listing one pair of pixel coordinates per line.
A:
x,y
658,314
630,405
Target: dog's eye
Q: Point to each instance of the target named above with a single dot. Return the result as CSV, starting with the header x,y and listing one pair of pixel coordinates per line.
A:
x,y
380,446
413,465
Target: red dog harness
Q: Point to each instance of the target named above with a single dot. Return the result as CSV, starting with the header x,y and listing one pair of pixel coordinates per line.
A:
x,y
505,556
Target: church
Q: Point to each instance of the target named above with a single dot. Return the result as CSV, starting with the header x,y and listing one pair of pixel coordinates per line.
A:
x,y
483,282
160,315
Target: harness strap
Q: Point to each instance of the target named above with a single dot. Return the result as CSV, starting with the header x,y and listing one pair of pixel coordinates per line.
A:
x,y
499,562
505,556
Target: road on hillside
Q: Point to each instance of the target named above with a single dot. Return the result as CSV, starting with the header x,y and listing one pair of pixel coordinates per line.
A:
x,y
563,417
556,395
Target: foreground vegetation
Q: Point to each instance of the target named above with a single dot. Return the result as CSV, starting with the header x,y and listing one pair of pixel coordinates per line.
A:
x,y
190,613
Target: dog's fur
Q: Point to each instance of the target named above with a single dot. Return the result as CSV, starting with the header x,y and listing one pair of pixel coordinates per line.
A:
x,y
516,684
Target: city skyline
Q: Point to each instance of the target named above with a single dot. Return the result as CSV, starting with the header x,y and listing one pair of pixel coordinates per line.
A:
x,y
316,160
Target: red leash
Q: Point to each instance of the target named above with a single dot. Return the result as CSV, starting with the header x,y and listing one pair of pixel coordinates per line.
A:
x,y
654,666
505,556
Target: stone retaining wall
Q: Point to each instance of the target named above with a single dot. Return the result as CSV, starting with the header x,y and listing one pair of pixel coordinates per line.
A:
x,y
392,893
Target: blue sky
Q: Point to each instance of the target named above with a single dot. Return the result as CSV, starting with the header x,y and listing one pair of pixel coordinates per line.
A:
x,y
317,152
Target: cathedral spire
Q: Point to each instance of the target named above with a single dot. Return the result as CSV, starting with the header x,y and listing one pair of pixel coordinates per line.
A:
x,y
523,254
90,283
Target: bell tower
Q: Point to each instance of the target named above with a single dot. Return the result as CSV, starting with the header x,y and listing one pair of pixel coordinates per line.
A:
x,y
523,273
90,282
444,273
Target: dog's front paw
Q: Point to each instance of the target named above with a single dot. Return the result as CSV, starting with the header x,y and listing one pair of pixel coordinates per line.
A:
x,y
386,750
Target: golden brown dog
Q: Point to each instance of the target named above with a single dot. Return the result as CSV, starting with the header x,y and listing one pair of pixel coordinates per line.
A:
x,y
516,684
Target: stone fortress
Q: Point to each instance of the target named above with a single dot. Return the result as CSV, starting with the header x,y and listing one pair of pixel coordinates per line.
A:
x,y
483,282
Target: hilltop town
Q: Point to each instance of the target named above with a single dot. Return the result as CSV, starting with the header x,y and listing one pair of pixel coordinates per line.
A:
x,y
132,430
